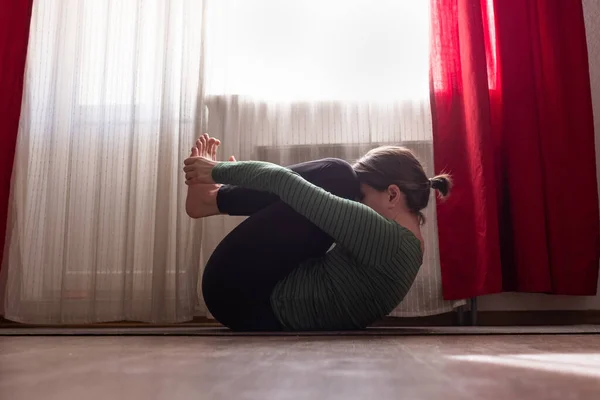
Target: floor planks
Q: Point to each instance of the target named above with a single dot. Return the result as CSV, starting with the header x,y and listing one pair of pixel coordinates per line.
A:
x,y
405,367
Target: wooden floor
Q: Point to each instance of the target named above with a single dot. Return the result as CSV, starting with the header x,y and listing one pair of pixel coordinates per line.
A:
x,y
345,368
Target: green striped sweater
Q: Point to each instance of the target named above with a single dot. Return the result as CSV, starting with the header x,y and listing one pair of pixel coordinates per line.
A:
x,y
364,277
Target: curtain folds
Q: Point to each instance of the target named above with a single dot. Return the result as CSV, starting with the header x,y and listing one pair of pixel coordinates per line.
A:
x,y
98,229
512,120
14,37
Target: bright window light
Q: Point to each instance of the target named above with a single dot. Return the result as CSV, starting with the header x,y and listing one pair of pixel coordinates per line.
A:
x,y
318,49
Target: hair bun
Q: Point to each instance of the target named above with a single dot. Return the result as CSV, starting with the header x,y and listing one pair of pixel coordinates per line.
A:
x,y
442,183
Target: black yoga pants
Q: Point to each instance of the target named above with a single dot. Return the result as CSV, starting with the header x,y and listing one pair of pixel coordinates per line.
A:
x,y
245,267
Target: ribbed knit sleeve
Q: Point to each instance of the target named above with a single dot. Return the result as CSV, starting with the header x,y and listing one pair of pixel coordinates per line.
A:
x,y
369,237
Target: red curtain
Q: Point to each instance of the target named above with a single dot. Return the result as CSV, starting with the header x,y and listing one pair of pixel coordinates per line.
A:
x,y
15,17
513,123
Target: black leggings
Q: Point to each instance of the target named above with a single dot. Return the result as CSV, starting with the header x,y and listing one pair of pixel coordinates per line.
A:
x,y
245,267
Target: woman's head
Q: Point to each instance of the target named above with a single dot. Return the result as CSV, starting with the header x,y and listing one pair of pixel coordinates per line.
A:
x,y
393,179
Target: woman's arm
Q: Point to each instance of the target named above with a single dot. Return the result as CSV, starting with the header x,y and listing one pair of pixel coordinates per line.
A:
x,y
367,235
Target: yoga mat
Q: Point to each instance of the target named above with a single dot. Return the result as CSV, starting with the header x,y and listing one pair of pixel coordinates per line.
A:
x,y
387,331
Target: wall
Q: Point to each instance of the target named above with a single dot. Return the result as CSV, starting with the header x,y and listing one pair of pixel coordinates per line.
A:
x,y
512,301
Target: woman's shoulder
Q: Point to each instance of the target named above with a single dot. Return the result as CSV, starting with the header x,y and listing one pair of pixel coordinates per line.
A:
x,y
411,236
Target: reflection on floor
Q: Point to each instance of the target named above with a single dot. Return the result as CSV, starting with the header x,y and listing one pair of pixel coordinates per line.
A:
x,y
285,367
586,364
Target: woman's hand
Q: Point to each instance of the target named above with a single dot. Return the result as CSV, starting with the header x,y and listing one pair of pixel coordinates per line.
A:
x,y
198,167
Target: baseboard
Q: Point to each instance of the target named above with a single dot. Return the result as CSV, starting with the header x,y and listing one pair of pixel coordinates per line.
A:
x,y
484,318
538,318
199,321
505,318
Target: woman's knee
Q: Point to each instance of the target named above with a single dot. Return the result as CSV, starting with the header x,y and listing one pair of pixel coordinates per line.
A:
x,y
339,167
341,179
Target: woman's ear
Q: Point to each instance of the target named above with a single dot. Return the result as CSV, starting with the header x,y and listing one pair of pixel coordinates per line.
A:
x,y
394,195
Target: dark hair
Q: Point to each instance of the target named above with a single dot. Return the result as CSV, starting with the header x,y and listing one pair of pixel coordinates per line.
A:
x,y
395,165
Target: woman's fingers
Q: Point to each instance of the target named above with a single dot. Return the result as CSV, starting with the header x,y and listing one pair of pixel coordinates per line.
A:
x,y
191,175
190,160
198,169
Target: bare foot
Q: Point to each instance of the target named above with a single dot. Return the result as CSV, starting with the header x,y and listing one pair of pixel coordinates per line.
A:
x,y
201,199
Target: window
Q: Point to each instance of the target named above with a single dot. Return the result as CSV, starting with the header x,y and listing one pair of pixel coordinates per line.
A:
x,y
283,50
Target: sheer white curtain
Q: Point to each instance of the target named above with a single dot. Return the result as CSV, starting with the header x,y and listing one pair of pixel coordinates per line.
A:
x,y
287,81
117,90
97,228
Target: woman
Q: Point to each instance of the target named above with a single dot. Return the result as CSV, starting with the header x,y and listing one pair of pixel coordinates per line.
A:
x,y
274,271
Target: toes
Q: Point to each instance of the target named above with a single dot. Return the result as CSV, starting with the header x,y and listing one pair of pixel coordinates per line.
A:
x,y
204,139
194,152
215,148
207,146
202,146
232,159
212,148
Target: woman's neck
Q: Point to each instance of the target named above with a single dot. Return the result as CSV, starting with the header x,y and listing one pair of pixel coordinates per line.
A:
x,y
411,222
